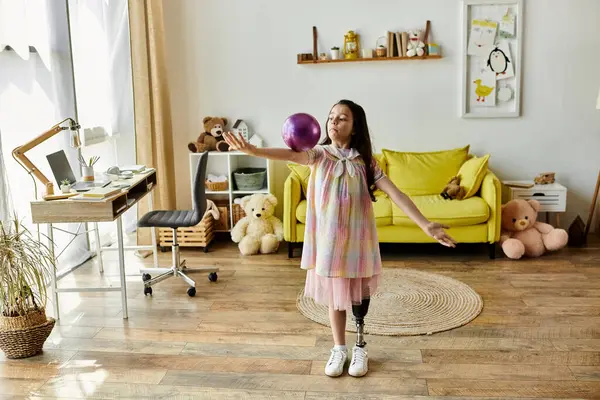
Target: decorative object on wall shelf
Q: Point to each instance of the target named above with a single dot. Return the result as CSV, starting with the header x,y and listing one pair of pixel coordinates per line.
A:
x,y
416,47
351,45
491,58
395,49
381,49
335,53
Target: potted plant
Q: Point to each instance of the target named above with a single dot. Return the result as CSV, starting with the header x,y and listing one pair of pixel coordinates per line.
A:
x,y
335,53
65,186
25,268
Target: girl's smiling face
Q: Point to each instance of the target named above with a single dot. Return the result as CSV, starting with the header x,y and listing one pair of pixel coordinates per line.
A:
x,y
339,125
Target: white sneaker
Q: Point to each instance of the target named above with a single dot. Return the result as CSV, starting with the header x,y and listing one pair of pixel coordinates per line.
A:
x,y
335,365
359,364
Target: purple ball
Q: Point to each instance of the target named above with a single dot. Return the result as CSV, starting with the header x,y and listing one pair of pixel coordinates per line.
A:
x,y
301,132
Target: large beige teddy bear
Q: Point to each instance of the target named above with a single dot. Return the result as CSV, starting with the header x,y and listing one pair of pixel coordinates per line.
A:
x,y
523,235
259,231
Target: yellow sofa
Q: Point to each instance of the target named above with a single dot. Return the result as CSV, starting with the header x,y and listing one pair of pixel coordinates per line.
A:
x,y
422,176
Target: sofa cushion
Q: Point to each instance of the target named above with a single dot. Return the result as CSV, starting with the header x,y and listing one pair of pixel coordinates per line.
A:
x,y
382,209
471,211
424,173
471,174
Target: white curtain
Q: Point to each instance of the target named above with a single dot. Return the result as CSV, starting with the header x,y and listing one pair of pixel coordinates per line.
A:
x,y
104,87
6,209
36,92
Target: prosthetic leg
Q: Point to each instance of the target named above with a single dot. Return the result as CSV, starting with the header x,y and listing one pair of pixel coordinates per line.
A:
x,y
360,311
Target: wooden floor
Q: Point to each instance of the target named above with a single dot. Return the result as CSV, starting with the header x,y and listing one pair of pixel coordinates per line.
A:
x,y
243,338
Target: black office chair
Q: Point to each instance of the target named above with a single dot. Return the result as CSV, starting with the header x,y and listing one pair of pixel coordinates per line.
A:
x,y
177,219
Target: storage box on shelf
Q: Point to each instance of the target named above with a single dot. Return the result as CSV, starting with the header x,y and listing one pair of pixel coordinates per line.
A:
x,y
246,175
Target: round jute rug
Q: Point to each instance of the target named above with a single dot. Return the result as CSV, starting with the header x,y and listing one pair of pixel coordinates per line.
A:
x,y
408,302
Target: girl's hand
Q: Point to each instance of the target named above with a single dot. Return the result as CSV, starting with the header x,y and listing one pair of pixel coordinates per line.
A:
x,y
436,231
238,143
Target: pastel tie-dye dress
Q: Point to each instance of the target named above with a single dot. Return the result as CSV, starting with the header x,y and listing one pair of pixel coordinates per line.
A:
x,y
341,247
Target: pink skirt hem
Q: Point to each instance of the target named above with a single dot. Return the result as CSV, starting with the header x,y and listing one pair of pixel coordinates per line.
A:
x,y
339,293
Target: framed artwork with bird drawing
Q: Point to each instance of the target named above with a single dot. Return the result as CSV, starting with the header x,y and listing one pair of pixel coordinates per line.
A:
x,y
491,58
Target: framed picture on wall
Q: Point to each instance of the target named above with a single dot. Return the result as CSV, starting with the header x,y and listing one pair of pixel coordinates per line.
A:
x,y
492,53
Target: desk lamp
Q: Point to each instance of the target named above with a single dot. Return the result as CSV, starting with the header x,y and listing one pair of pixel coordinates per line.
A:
x,y
19,152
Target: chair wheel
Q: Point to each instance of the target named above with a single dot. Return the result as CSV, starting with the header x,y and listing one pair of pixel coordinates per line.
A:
x,y
146,277
191,291
212,277
205,249
147,290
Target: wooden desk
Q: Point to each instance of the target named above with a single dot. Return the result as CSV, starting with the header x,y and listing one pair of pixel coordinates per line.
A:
x,y
107,210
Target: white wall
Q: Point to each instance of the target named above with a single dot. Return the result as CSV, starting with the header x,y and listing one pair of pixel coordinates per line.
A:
x,y
237,58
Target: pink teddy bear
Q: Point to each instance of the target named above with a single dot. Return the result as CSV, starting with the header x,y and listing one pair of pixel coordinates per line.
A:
x,y
523,235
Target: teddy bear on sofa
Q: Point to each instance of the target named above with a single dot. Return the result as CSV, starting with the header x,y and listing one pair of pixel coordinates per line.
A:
x,y
453,190
212,137
259,231
523,235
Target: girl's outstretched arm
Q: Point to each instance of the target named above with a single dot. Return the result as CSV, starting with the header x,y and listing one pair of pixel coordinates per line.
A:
x,y
433,229
238,143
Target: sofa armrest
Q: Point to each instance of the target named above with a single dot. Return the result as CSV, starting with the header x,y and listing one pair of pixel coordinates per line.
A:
x,y
491,193
292,192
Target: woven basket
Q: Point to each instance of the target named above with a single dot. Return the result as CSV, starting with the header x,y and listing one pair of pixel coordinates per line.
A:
x,y
250,178
238,213
24,336
32,318
217,186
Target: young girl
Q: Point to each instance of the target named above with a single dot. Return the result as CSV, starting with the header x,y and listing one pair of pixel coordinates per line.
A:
x,y
341,249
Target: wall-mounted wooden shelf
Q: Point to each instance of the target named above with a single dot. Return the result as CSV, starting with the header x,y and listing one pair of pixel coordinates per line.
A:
x,y
370,59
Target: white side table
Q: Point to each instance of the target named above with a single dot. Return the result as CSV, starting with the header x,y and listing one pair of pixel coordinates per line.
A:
x,y
552,197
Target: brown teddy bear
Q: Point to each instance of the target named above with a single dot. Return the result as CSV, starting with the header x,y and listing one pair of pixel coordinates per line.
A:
x,y
453,190
523,235
212,137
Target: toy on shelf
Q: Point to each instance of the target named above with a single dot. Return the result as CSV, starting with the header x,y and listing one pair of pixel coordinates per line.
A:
x,y
545,178
212,137
259,231
522,235
415,47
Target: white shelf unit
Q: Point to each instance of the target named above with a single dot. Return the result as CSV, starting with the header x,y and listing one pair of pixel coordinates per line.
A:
x,y
226,163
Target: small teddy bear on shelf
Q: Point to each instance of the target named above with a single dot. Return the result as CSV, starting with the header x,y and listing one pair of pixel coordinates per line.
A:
x,y
415,47
453,190
212,138
522,235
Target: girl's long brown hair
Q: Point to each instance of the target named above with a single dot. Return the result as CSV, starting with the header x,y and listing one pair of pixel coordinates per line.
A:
x,y
360,140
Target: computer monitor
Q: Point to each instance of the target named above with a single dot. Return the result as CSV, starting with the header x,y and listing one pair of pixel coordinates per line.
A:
x,y
62,170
